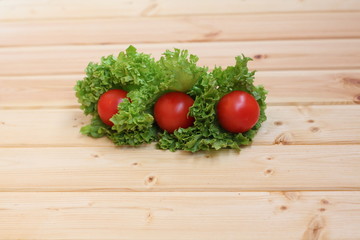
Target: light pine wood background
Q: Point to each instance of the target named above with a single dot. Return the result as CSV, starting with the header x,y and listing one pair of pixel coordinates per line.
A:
x,y
299,180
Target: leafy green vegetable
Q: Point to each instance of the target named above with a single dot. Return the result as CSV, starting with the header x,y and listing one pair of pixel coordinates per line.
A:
x,y
146,80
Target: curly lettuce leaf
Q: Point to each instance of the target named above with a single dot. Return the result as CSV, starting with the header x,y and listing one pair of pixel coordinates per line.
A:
x,y
206,133
98,129
176,70
179,71
130,70
145,80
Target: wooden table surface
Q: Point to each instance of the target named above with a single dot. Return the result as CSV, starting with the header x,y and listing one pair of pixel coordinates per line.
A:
x,y
299,180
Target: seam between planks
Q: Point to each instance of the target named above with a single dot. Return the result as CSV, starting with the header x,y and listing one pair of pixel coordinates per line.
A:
x,y
252,40
176,15
190,190
182,42
48,47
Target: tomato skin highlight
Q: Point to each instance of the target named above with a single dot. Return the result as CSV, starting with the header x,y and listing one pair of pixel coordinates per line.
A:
x,y
108,104
238,111
171,111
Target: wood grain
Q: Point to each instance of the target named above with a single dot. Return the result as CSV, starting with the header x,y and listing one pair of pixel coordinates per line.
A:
x,y
11,10
110,169
183,29
285,125
285,88
268,55
299,179
310,87
301,215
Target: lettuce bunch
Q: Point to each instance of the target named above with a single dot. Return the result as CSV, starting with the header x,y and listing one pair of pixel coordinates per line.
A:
x,y
146,79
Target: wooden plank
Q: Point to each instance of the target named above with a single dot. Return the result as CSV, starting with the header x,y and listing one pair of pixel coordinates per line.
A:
x,y
337,124
40,9
110,169
246,215
39,91
285,88
268,55
311,87
183,29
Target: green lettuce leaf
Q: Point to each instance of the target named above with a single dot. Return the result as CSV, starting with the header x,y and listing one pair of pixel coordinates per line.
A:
x,y
206,133
146,80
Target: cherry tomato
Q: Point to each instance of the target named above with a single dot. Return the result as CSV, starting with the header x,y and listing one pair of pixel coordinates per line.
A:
x,y
108,104
171,111
238,111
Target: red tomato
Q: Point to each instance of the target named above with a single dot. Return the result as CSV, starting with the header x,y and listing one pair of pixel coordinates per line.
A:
x,y
171,111
238,111
108,104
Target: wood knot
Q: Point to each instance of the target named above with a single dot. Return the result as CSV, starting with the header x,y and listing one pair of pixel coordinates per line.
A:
x,y
269,172
324,201
351,81
150,180
149,216
260,56
212,34
322,209
278,123
315,229
284,138
310,121
314,129
283,208
292,196
357,99
95,155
